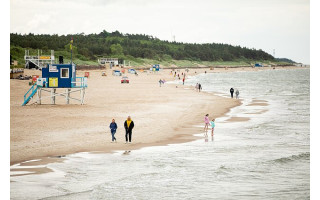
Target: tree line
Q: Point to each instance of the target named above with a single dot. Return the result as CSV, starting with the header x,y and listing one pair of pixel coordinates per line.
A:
x,y
108,44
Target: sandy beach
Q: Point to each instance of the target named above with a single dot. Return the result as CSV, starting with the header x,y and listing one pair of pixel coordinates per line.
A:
x,y
162,115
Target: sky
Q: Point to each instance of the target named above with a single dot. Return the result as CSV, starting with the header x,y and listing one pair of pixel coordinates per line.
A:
x,y
275,26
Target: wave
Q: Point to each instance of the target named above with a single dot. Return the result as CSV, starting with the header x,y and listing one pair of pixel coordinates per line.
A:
x,y
300,156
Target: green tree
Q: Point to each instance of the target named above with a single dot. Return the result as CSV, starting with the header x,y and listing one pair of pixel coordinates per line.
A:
x,y
116,49
74,48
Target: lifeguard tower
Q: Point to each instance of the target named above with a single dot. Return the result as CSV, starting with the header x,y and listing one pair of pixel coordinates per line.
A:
x,y
155,68
54,77
38,61
111,62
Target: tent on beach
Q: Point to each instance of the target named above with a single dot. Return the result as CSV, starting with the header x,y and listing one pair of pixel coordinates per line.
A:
x,y
116,73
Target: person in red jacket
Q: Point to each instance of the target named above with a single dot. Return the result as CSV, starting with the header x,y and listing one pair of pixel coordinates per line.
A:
x,y
128,126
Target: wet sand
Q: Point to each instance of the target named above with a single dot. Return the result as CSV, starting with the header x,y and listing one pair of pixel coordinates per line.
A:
x,y
238,119
256,102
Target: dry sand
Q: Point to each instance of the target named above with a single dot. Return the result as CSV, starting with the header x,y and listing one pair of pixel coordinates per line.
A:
x,y
162,115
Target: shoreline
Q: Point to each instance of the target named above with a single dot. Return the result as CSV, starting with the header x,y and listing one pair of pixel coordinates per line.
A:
x,y
178,133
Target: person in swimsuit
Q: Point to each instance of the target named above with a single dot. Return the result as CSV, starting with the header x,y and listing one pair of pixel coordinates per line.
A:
x,y
212,123
206,124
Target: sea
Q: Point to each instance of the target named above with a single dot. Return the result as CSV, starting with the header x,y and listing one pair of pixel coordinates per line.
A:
x,y
266,156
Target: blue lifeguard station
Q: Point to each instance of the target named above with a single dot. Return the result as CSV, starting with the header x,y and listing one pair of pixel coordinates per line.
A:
x,y
56,76
59,75
155,68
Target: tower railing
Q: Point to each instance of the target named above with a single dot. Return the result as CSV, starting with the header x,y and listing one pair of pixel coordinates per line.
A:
x,y
80,82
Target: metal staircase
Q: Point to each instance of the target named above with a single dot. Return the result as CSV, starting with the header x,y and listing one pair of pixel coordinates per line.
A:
x,y
31,92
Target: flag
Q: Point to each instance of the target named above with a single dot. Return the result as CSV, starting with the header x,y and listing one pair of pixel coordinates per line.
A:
x,y
71,43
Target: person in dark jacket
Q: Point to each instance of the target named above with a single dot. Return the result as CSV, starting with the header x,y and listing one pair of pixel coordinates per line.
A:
x,y
128,125
113,128
231,92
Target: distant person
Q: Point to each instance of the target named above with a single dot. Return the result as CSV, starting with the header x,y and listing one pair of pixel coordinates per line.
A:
x,y
206,124
160,82
197,86
212,123
200,87
113,128
205,72
183,81
231,92
237,94
128,126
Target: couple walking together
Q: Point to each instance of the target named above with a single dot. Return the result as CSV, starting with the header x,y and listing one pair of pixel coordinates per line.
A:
x,y
128,126
237,93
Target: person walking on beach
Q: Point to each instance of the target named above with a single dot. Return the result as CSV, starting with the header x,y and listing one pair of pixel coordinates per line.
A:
x,y
231,92
206,124
200,87
237,94
160,81
212,123
113,128
197,86
183,81
128,126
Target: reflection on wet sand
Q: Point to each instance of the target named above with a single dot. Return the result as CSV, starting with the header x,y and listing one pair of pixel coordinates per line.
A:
x,y
126,152
206,138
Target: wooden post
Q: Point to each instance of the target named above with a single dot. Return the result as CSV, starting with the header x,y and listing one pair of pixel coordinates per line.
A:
x,y
82,92
67,95
53,97
39,96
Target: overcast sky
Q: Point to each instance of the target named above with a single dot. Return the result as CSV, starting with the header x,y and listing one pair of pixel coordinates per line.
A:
x,y
283,25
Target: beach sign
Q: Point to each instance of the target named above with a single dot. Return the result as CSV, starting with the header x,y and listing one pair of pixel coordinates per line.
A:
x,y
53,82
53,68
45,57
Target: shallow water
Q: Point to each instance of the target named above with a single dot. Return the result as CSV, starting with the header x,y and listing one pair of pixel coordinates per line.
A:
x,y
267,157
